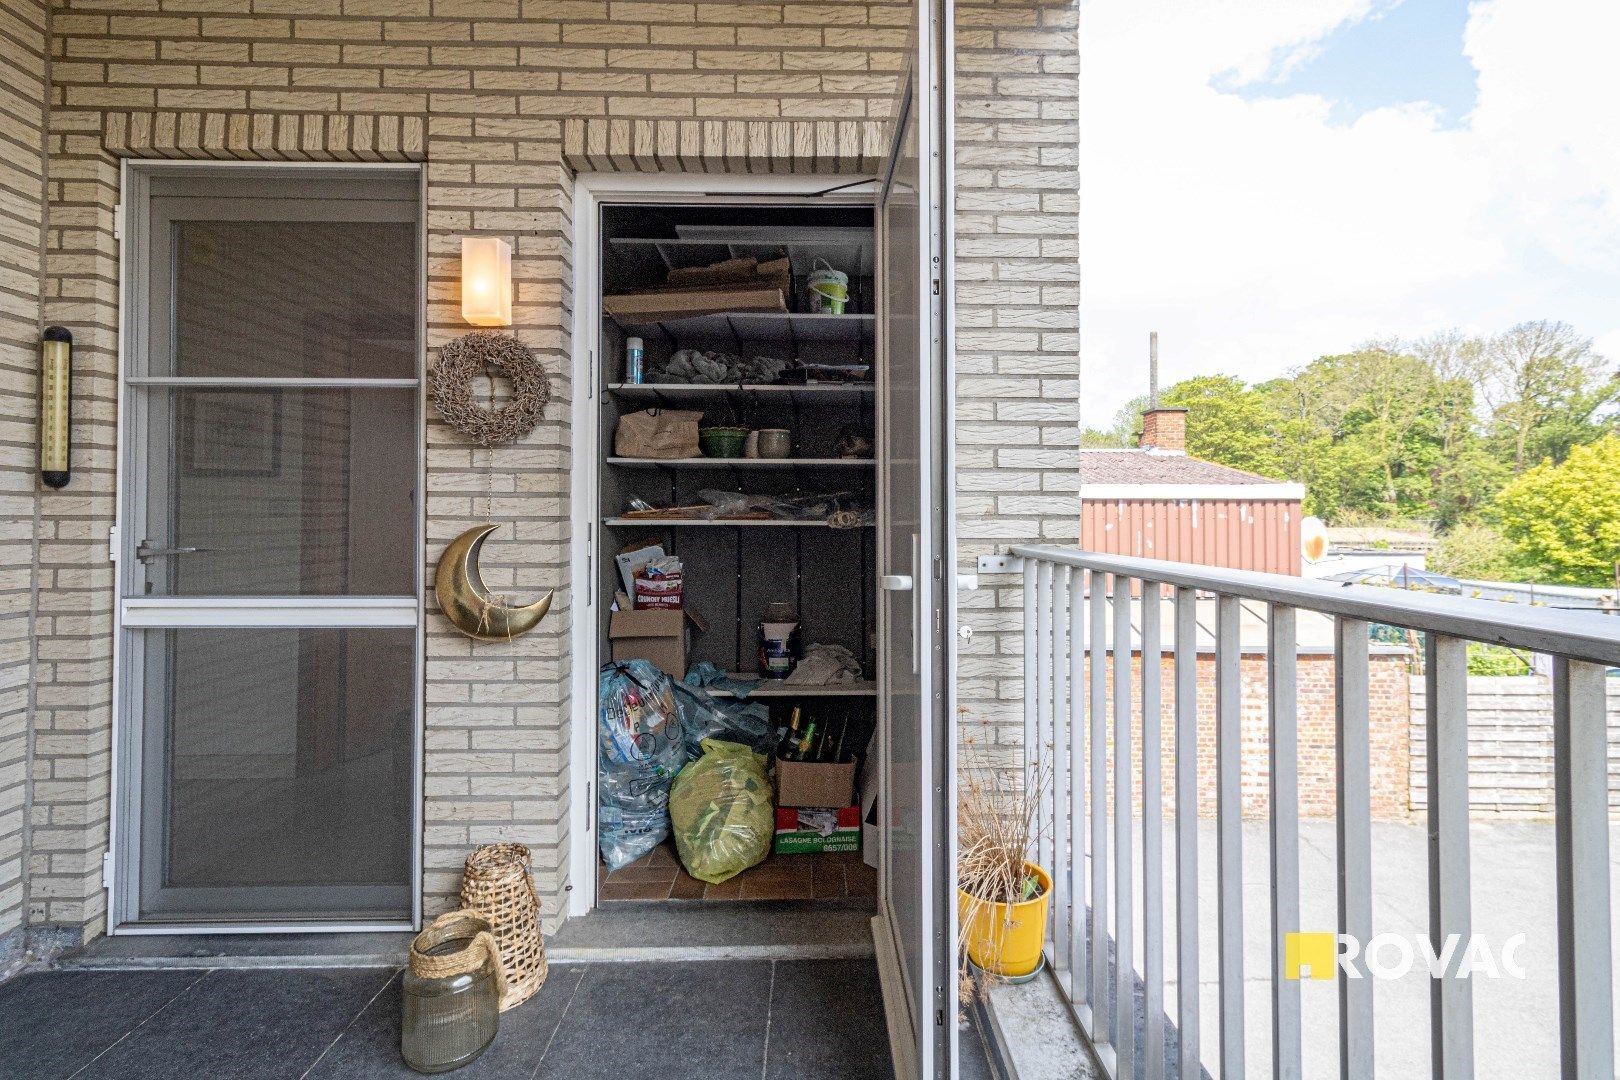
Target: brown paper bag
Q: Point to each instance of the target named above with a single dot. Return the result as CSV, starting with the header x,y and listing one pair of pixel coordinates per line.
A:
x,y
658,433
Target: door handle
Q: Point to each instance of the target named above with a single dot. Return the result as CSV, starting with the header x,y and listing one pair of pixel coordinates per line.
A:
x,y
146,552
896,583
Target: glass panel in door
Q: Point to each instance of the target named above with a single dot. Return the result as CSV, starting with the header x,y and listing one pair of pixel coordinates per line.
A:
x,y
271,504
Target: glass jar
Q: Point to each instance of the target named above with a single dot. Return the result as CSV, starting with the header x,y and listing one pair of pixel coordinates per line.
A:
x,y
451,994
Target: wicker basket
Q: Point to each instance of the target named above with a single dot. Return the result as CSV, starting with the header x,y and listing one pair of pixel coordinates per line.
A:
x,y
495,883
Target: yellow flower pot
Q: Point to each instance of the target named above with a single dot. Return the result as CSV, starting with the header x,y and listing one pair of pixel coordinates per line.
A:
x,y
1006,939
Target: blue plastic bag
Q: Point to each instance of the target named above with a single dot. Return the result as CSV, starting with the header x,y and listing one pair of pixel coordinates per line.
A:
x,y
641,747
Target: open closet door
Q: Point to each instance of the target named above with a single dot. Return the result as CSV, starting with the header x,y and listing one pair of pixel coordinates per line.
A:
x,y
915,939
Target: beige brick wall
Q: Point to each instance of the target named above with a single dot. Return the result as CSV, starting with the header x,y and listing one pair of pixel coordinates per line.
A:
x,y
22,188
501,100
1018,316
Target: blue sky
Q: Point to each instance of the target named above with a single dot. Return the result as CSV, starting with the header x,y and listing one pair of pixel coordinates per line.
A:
x,y
1261,192
1403,52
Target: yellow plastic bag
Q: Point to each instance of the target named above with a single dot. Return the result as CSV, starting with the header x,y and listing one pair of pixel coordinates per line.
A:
x,y
720,808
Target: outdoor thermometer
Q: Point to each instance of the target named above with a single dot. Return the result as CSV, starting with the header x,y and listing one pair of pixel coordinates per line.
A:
x,y
55,415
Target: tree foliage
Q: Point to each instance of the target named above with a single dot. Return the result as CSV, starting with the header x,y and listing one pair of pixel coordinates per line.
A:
x,y
1438,430
1563,520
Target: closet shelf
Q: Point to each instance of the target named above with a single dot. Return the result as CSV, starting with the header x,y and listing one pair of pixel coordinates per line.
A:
x,y
805,394
768,689
849,249
798,328
701,523
741,463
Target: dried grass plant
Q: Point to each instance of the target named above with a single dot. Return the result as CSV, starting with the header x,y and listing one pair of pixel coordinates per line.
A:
x,y
999,824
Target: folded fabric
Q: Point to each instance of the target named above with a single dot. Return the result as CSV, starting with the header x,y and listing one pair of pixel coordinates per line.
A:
x,y
826,665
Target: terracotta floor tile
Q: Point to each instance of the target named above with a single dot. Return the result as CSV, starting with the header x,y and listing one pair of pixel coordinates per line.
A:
x,y
665,874
687,887
726,890
775,889
635,890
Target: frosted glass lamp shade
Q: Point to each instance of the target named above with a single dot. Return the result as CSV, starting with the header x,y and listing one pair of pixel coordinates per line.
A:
x,y
486,281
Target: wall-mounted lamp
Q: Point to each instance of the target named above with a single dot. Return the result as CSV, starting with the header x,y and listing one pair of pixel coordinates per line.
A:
x,y
486,281
55,405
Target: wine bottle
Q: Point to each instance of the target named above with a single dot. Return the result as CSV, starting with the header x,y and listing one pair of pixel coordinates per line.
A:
x,y
807,742
790,744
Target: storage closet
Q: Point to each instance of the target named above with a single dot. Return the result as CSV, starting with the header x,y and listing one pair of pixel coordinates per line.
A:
x,y
728,295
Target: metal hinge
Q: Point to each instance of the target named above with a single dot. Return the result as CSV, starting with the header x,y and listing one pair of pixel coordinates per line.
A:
x,y
590,375
118,222
106,869
112,543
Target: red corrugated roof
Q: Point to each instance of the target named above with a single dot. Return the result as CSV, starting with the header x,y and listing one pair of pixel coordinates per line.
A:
x,y
1158,467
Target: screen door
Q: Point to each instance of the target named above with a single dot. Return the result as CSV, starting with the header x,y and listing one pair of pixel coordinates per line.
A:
x,y
268,549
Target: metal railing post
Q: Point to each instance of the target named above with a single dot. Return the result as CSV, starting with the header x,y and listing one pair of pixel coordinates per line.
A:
x,y
1352,679
1451,1000
1585,956
1124,815
1229,830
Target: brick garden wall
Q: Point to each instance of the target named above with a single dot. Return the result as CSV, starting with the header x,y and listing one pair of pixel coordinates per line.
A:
x,y
1388,722
502,100
22,216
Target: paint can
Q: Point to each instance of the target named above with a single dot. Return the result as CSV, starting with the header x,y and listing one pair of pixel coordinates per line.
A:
x,y
778,641
827,289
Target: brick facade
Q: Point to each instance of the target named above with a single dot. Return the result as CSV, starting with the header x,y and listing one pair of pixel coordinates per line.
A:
x,y
22,217
502,101
1018,327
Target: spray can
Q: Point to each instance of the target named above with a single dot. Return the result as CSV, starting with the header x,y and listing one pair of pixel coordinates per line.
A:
x,y
632,360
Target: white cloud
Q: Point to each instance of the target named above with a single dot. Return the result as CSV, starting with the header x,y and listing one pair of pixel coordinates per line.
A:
x,y
1256,234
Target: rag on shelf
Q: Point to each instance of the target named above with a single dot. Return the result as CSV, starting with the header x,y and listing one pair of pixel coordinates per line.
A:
x,y
717,368
826,665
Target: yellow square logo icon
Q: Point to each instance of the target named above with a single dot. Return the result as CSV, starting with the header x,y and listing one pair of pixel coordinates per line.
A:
x,y
1309,956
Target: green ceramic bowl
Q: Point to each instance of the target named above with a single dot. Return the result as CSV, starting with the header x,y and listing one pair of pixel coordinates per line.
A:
x,y
722,442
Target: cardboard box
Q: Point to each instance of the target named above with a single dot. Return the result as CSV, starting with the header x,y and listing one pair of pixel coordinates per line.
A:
x,y
658,636
652,306
806,832
813,783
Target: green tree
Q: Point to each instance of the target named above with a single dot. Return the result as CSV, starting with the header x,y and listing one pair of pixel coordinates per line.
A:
x,y
1563,520
1473,552
1376,409
1228,422
1547,391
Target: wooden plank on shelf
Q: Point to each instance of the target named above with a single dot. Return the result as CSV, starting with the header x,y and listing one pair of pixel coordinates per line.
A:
x,y
653,306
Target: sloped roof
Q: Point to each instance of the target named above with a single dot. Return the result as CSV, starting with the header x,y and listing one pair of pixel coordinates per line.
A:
x,y
1158,467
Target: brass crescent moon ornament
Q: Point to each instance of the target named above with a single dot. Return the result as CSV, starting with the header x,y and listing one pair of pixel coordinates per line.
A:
x,y
468,604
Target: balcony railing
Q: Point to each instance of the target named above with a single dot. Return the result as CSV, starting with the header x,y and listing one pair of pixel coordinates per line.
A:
x,y
1079,616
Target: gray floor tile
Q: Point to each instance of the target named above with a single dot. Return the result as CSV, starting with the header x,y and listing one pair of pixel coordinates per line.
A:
x,y
369,1050
261,1025
664,1021
827,1022
54,1022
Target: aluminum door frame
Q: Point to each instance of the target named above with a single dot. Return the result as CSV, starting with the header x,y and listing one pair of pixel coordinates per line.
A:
x,y
132,615
931,1006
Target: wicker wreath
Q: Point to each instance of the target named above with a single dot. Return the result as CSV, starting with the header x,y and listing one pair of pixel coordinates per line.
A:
x,y
480,353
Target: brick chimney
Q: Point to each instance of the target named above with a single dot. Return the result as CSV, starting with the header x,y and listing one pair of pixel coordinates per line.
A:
x,y
1164,429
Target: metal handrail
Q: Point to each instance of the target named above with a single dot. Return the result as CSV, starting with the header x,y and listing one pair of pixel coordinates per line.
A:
x,y
1578,635
1099,700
